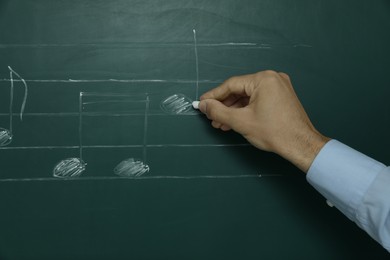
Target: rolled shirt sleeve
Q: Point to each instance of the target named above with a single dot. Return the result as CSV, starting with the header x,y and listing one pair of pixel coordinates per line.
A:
x,y
357,185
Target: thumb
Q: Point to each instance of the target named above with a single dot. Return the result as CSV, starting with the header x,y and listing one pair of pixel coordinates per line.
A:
x,y
218,112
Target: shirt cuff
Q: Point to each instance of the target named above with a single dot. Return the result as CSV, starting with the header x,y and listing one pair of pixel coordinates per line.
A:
x,y
343,175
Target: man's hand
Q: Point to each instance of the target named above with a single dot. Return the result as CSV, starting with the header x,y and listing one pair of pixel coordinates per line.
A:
x,y
264,108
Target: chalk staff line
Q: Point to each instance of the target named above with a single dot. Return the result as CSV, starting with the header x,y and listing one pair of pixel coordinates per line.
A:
x,y
131,45
122,146
210,177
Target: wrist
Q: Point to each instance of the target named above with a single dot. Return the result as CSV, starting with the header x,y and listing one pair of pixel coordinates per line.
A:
x,y
303,150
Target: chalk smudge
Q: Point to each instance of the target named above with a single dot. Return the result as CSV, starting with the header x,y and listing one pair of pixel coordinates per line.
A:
x,y
177,104
5,137
68,168
131,168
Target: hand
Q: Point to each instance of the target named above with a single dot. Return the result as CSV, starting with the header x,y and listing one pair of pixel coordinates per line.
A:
x,y
264,108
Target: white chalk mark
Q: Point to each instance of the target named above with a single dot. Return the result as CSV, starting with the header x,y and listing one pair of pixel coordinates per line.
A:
x,y
5,134
228,44
131,168
5,137
25,90
125,113
146,129
222,66
11,102
172,81
122,146
69,168
116,95
132,45
119,45
177,104
112,101
73,167
196,65
105,178
81,126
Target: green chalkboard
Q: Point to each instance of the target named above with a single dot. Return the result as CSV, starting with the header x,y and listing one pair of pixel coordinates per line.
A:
x,y
101,156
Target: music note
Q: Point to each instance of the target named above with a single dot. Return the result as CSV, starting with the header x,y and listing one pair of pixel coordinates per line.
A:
x,y
6,134
179,103
133,167
73,167
130,167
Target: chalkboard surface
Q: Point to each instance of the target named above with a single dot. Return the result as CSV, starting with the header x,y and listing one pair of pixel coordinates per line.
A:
x,y
102,157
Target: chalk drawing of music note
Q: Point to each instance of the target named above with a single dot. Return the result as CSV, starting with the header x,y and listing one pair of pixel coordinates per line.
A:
x,y
130,167
73,167
6,134
179,103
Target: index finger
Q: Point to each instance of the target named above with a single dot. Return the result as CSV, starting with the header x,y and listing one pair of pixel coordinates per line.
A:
x,y
233,86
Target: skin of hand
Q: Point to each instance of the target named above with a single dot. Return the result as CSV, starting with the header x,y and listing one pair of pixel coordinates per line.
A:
x,y
264,108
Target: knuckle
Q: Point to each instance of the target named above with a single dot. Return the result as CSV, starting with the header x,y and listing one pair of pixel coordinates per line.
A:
x,y
284,75
270,73
231,81
215,124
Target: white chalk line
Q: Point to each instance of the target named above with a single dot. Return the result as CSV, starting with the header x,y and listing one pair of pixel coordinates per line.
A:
x,y
145,146
196,65
215,177
132,45
178,81
121,146
231,45
157,45
25,90
73,114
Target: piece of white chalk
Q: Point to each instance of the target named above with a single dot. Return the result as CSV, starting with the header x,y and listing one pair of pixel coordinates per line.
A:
x,y
195,104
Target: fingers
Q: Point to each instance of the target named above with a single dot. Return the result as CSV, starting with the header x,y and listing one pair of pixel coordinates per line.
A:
x,y
220,126
233,87
222,116
226,104
241,86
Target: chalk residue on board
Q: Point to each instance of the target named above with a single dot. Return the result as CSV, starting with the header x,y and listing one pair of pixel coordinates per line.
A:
x,y
68,168
131,168
5,137
177,104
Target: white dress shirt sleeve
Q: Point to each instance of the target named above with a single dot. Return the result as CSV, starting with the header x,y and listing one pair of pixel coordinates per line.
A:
x,y
357,185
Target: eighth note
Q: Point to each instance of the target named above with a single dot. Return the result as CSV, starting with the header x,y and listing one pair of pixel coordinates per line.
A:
x,y
102,104
6,134
73,167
